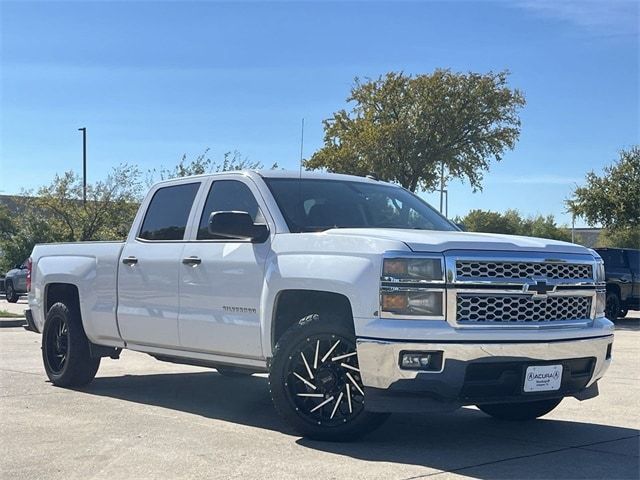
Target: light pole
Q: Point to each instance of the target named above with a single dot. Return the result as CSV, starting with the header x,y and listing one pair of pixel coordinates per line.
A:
x,y
84,164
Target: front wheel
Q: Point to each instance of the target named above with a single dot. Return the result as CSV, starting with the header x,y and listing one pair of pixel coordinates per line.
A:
x,y
65,348
520,411
315,381
10,292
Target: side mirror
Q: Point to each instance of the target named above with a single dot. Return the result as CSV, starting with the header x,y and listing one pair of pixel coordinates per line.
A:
x,y
237,225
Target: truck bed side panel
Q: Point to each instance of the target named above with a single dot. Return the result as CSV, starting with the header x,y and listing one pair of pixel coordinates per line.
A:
x,y
92,269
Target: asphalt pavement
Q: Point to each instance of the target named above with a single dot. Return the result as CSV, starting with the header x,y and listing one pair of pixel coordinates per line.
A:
x,y
142,418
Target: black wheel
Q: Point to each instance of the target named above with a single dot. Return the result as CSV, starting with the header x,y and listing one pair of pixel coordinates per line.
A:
x,y
612,310
315,381
233,372
520,411
10,293
65,348
623,312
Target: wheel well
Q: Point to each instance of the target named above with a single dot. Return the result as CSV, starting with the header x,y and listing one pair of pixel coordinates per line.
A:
x,y
613,289
61,292
292,305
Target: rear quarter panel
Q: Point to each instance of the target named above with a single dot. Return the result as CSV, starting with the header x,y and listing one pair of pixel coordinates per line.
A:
x,y
92,268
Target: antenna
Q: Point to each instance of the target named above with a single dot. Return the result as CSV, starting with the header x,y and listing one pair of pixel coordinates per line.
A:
x,y
301,146
300,204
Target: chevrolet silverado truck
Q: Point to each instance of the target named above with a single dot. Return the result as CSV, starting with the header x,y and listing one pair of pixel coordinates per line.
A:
x,y
354,295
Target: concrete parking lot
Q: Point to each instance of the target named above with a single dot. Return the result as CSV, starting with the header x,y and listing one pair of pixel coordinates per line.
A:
x,y
142,418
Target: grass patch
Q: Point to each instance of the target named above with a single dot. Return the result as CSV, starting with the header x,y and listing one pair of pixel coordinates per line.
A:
x,y
5,314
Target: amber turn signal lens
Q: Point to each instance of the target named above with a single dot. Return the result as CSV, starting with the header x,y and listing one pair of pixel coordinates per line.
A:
x,y
394,302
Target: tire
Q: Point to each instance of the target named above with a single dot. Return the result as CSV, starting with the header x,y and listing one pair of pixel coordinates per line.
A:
x,y
233,372
305,404
10,293
613,306
520,411
65,348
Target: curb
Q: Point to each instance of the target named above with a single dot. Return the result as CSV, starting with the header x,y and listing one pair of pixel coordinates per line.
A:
x,y
12,322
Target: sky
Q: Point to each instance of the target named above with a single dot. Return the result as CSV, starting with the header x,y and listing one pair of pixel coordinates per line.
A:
x,y
154,80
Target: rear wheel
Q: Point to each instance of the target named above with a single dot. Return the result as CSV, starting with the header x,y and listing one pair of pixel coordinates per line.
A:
x,y
315,381
10,292
520,411
65,348
612,310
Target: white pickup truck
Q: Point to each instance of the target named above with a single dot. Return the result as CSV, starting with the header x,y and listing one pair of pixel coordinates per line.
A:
x,y
355,296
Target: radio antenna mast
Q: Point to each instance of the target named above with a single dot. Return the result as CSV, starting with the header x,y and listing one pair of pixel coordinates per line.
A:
x,y
301,146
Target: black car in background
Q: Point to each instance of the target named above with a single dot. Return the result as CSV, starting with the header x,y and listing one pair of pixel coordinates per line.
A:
x,y
622,272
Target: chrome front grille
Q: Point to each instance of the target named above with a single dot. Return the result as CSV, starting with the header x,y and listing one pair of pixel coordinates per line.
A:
x,y
520,290
519,309
514,269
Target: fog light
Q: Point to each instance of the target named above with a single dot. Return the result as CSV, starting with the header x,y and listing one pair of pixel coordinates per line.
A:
x,y
431,361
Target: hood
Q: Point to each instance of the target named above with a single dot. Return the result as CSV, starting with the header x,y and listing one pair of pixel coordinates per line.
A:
x,y
438,241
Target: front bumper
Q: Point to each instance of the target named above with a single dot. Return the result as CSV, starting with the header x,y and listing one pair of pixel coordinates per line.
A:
x,y
475,373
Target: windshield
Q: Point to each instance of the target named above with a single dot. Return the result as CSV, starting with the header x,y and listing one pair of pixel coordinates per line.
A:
x,y
316,205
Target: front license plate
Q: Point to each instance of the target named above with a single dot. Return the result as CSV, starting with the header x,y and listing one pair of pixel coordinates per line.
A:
x,y
543,378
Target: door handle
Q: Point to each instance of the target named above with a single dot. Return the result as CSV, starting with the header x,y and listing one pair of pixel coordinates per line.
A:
x,y
130,260
193,261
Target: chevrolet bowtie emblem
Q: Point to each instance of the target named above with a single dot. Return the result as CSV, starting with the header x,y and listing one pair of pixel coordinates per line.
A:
x,y
540,287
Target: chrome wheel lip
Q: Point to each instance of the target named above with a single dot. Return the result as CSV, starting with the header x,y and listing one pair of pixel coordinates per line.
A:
x,y
331,403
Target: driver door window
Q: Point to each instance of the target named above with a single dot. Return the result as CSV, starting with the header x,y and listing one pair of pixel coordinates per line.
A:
x,y
226,196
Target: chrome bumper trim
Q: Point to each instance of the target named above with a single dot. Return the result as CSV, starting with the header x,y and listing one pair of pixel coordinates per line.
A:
x,y
379,359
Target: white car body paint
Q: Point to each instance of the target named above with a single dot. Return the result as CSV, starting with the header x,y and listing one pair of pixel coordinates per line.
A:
x,y
223,309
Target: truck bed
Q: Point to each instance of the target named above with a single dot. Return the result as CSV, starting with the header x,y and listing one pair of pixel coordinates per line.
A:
x,y
93,268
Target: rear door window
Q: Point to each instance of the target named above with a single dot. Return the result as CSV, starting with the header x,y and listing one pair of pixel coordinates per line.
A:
x,y
168,212
634,260
613,258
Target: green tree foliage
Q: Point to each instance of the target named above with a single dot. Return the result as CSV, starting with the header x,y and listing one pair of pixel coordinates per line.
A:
x,y
613,200
7,223
57,213
512,223
202,163
403,128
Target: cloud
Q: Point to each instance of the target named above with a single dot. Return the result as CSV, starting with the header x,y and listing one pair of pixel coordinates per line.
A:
x,y
603,16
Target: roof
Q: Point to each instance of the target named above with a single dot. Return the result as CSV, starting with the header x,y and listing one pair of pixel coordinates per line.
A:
x,y
306,175
314,175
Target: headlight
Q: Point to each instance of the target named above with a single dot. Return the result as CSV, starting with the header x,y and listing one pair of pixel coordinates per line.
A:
x,y
413,303
413,269
413,288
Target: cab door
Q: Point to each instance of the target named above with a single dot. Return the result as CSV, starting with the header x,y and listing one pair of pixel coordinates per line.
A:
x,y
148,275
221,279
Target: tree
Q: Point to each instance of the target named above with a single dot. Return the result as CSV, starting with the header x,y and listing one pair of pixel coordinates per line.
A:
x,y
7,223
512,223
410,129
203,164
56,212
106,215
613,200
